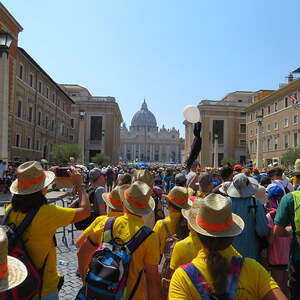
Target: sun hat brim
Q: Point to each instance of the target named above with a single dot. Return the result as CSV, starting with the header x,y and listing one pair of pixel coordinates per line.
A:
x,y
248,191
17,273
140,211
236,228
15,189
184,206
105,197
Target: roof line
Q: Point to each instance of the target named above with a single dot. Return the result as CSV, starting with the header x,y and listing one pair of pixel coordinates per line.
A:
x,y
43,71
11,16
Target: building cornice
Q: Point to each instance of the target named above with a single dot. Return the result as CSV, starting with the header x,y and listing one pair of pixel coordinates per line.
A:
x,y
275,95
10,16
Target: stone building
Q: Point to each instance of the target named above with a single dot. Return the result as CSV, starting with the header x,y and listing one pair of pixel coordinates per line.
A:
x,y
225,118
39,111
96,120
280,129
143,141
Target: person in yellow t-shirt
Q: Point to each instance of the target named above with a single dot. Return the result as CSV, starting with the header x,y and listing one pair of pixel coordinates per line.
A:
x,y
29,190
177,200
186,250
137,202
114,202
210,272
201,186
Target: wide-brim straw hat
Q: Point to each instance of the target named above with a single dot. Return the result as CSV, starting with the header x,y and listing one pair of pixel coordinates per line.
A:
x,y
212,216
224,187
31,178
296,171
138,200
242,186
178,196
115,198
13,270
146,177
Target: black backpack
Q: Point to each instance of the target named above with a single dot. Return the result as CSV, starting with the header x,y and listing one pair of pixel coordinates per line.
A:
x,y
83,224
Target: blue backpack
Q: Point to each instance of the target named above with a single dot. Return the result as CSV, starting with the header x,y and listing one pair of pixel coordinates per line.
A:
x,y
109,267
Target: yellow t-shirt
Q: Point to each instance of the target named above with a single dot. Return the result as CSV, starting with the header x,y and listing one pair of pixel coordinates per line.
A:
x,y
159,228
146,254
185,251
254,282
199,194
39,242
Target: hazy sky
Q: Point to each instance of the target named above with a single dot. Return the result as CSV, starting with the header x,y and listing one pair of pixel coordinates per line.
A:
x,y
171,52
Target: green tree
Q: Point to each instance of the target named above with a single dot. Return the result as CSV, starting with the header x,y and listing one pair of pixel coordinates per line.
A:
x,y
100,159
62,152
289,157
227,160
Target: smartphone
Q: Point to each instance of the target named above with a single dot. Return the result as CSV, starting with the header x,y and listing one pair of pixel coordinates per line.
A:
x,y
62,172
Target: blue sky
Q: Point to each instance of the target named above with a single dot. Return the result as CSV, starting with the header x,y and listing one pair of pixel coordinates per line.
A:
x,y
171,52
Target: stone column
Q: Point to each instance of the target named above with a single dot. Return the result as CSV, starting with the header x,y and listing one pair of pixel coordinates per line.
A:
x,y
139,152
4,95
125,152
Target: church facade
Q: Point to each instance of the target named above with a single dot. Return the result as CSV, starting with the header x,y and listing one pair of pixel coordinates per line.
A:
x,y
144,141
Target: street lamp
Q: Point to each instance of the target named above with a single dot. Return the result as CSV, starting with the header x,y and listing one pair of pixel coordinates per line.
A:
x,y
82,114
216,163
259,149
81,137
5,42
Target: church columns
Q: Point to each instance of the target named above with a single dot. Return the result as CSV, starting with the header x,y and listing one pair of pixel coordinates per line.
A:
x,y
125,152
139,152
134,151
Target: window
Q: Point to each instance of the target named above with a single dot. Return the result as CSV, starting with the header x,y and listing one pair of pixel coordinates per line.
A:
x,y
46,122
286,141
31,79
275,106
275,143
242,114
286,122
72,123
295,139
18,140
29,142
30,111
242,128
269,127
53,98
269,144
251,117
251,132
58,102
37,145
295,119
39,118
21,71
19,109
71,138
256,131
242,142
262,112
218,128
240,100
276,125
269,109
52,125
47,92
286,102
40,87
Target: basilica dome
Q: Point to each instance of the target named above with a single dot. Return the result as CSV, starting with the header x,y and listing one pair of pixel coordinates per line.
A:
x,y
144,117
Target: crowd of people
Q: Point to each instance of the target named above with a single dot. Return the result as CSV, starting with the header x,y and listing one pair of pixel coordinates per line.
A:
x,y
158,232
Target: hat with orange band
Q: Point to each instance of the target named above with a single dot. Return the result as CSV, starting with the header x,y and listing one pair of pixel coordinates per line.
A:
x,y
178,196
212,216
12,271
138,200
114,199
31,178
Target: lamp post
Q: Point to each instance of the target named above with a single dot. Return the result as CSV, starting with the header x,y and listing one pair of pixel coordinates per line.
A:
x,y
81,137
5,42
216,163
259,149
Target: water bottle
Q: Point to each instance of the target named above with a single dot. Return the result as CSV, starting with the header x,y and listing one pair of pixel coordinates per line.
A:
x,y
62,262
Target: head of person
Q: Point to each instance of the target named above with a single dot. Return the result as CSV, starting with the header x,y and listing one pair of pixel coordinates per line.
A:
x,y
276,173
261,194
265,180
296,173
242,186
237,168
216,226
255,171
137,199
195,165
275,192
178,200
30,187
226,174
124,179
97,176
180,179
206,182
246,171
146,177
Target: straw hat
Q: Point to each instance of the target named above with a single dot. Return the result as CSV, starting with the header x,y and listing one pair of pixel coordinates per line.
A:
x,y
179,197
296,171
138,199
146,177
12,271
31,178
212,216
115,198
242,186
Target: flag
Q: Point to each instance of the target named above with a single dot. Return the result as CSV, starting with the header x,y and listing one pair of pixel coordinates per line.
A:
x,y
294,100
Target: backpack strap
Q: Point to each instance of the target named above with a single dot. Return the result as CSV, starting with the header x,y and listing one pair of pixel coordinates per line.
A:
x,y
166,227
108,227
197,279
5,218
234,276
138,238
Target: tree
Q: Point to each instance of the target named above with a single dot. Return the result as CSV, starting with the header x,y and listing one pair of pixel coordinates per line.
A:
x,y
61,153
289,157
100,159
227,160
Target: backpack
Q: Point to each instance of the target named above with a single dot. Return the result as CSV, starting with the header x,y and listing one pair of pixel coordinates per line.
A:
x,y
32,285
201,286
166,272
83,224
109,267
